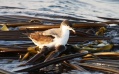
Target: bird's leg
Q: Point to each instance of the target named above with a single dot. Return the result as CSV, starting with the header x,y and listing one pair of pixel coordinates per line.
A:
x,y
59,49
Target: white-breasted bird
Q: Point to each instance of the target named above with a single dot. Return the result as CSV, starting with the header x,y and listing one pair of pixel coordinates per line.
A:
x,y
52,37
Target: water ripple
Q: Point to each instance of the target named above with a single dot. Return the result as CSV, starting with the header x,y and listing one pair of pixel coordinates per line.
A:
x,y
88,9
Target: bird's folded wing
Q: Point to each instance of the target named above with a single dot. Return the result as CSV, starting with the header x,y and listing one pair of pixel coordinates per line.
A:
x,y
42,38
54,32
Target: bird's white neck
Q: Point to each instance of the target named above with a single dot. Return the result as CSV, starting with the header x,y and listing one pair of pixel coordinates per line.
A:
x,y
65,31
65,34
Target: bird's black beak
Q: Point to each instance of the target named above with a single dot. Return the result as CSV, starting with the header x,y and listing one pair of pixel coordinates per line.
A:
x,y
72,30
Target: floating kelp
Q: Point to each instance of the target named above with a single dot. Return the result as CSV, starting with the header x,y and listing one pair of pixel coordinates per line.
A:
x,y
99,68
74,66
106,62
90,37
112,22
40,65
19,36
45,27
101,49
94,47
101,31
3,49
106,55
30,50
4,27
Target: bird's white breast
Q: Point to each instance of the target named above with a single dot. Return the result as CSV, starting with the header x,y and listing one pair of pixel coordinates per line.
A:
x,y
63,39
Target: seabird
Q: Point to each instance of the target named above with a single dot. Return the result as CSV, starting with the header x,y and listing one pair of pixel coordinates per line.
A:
x,y
55,38
52,37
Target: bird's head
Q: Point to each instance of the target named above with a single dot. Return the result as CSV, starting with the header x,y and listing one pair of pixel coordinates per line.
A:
x,y
67,25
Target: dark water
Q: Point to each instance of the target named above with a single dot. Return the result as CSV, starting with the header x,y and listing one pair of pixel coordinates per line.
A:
x,y
89,9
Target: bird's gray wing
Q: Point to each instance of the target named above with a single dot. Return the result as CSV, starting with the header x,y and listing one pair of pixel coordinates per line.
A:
x,y
54,32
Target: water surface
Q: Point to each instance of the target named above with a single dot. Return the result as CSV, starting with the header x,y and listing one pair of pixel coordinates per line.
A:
x,y
89,9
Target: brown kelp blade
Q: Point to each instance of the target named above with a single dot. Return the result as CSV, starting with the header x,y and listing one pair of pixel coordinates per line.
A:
x,y
19,36
112,55
56,60
99,68
45,27
5,49
113,63
74,66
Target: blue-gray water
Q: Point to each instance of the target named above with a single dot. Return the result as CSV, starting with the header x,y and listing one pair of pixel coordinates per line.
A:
x,y
89,9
